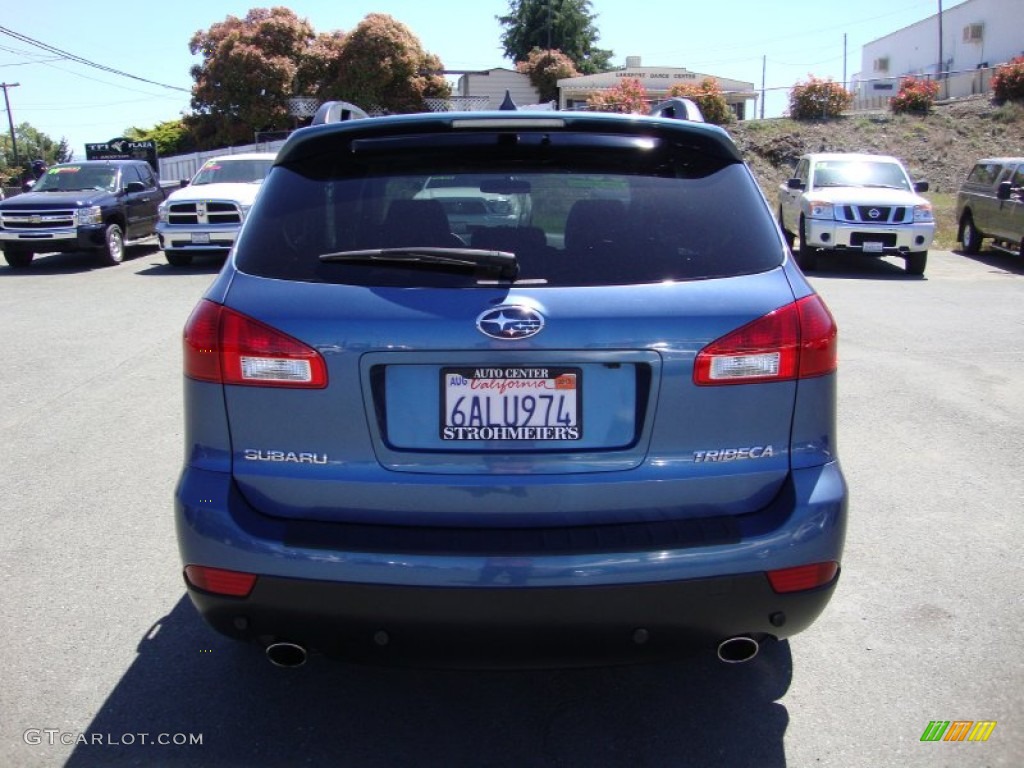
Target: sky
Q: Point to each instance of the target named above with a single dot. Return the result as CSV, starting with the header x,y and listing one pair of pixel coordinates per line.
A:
x,y
770,44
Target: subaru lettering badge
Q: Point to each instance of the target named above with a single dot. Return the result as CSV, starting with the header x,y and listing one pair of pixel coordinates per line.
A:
x,y
510,321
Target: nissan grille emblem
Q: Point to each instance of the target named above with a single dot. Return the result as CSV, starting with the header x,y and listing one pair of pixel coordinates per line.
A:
x,y
510,322
874,213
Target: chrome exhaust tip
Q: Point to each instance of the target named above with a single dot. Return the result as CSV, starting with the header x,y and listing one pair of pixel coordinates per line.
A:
x,y
284,654
737,650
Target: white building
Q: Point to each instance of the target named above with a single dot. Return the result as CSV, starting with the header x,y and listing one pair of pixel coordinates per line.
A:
x,y
657,81
486,89
976,36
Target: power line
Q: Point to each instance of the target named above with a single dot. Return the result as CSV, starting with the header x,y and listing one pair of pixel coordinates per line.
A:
x,y
86,62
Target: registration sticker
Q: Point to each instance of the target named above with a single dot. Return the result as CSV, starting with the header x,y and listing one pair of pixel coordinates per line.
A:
x,y
518,403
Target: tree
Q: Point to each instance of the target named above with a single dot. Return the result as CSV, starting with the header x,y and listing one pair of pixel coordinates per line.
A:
x,y
318,66
383,66
545,68
247,74
32,145
171,137
564,25
709,97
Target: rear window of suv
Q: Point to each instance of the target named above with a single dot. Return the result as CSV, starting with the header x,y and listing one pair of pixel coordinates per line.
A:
x,y
579,210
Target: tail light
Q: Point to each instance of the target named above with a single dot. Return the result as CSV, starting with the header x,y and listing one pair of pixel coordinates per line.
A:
x,y
219,581
796,341
803,577
227,347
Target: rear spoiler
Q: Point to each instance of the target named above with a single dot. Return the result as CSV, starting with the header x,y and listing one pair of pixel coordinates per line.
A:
x,y
339,111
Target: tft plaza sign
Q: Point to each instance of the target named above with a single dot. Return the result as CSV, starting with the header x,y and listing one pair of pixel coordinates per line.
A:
x,y
124,149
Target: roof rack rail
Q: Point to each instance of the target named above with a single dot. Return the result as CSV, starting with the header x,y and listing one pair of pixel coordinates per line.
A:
x,y
678,108
336,112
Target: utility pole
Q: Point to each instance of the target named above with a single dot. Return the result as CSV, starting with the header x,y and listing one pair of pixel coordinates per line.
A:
x,y
10,121
845,87
764,67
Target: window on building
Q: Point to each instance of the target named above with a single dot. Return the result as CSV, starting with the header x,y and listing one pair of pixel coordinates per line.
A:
x,y
974,33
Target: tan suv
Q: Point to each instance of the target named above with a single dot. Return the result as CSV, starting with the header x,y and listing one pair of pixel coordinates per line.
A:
x,y
990,204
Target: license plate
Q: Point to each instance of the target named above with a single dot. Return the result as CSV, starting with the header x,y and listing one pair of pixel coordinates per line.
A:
x,y
200,238
520,403
873,246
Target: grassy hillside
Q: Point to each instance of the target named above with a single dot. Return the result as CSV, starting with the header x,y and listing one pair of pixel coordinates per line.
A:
x,y
939,148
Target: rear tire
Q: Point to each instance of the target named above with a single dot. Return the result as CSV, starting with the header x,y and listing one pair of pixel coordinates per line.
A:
x,y
176,259
17,258
113,246
916,262
806,256
969,234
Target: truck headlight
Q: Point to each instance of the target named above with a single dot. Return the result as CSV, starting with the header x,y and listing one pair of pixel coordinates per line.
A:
x,y
161,212
90,215
819,209
923,213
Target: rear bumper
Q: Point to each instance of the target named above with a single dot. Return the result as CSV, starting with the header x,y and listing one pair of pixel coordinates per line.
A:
x,y
394,595
512,626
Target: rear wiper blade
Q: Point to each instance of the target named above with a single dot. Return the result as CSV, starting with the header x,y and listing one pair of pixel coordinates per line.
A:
x,y
502,262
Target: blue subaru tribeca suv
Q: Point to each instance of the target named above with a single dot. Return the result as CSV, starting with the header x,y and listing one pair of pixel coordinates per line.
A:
x,y
600,430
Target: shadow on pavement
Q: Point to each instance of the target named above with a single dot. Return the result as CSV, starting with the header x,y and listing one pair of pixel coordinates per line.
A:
x,y
999,260
210,265
72,263
189,680
857,267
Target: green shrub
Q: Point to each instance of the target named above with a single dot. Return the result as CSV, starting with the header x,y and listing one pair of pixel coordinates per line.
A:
x,y
1008,82
917,95
818,99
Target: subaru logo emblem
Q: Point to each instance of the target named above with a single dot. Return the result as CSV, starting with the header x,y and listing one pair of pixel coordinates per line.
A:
x,y
510,321
874,213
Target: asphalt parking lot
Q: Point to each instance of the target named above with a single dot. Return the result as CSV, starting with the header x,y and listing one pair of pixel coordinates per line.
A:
x,y
107,664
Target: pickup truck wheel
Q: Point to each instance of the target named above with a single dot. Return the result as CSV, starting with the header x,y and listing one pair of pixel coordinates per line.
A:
x,y
806,257
113,248
176,259
916,262
969,234
17,258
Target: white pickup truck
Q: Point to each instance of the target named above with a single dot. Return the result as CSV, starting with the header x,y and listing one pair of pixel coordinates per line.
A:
x,y
204,216
856,202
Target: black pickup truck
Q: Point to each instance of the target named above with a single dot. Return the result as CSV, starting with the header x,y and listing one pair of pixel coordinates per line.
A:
x,y
94,205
